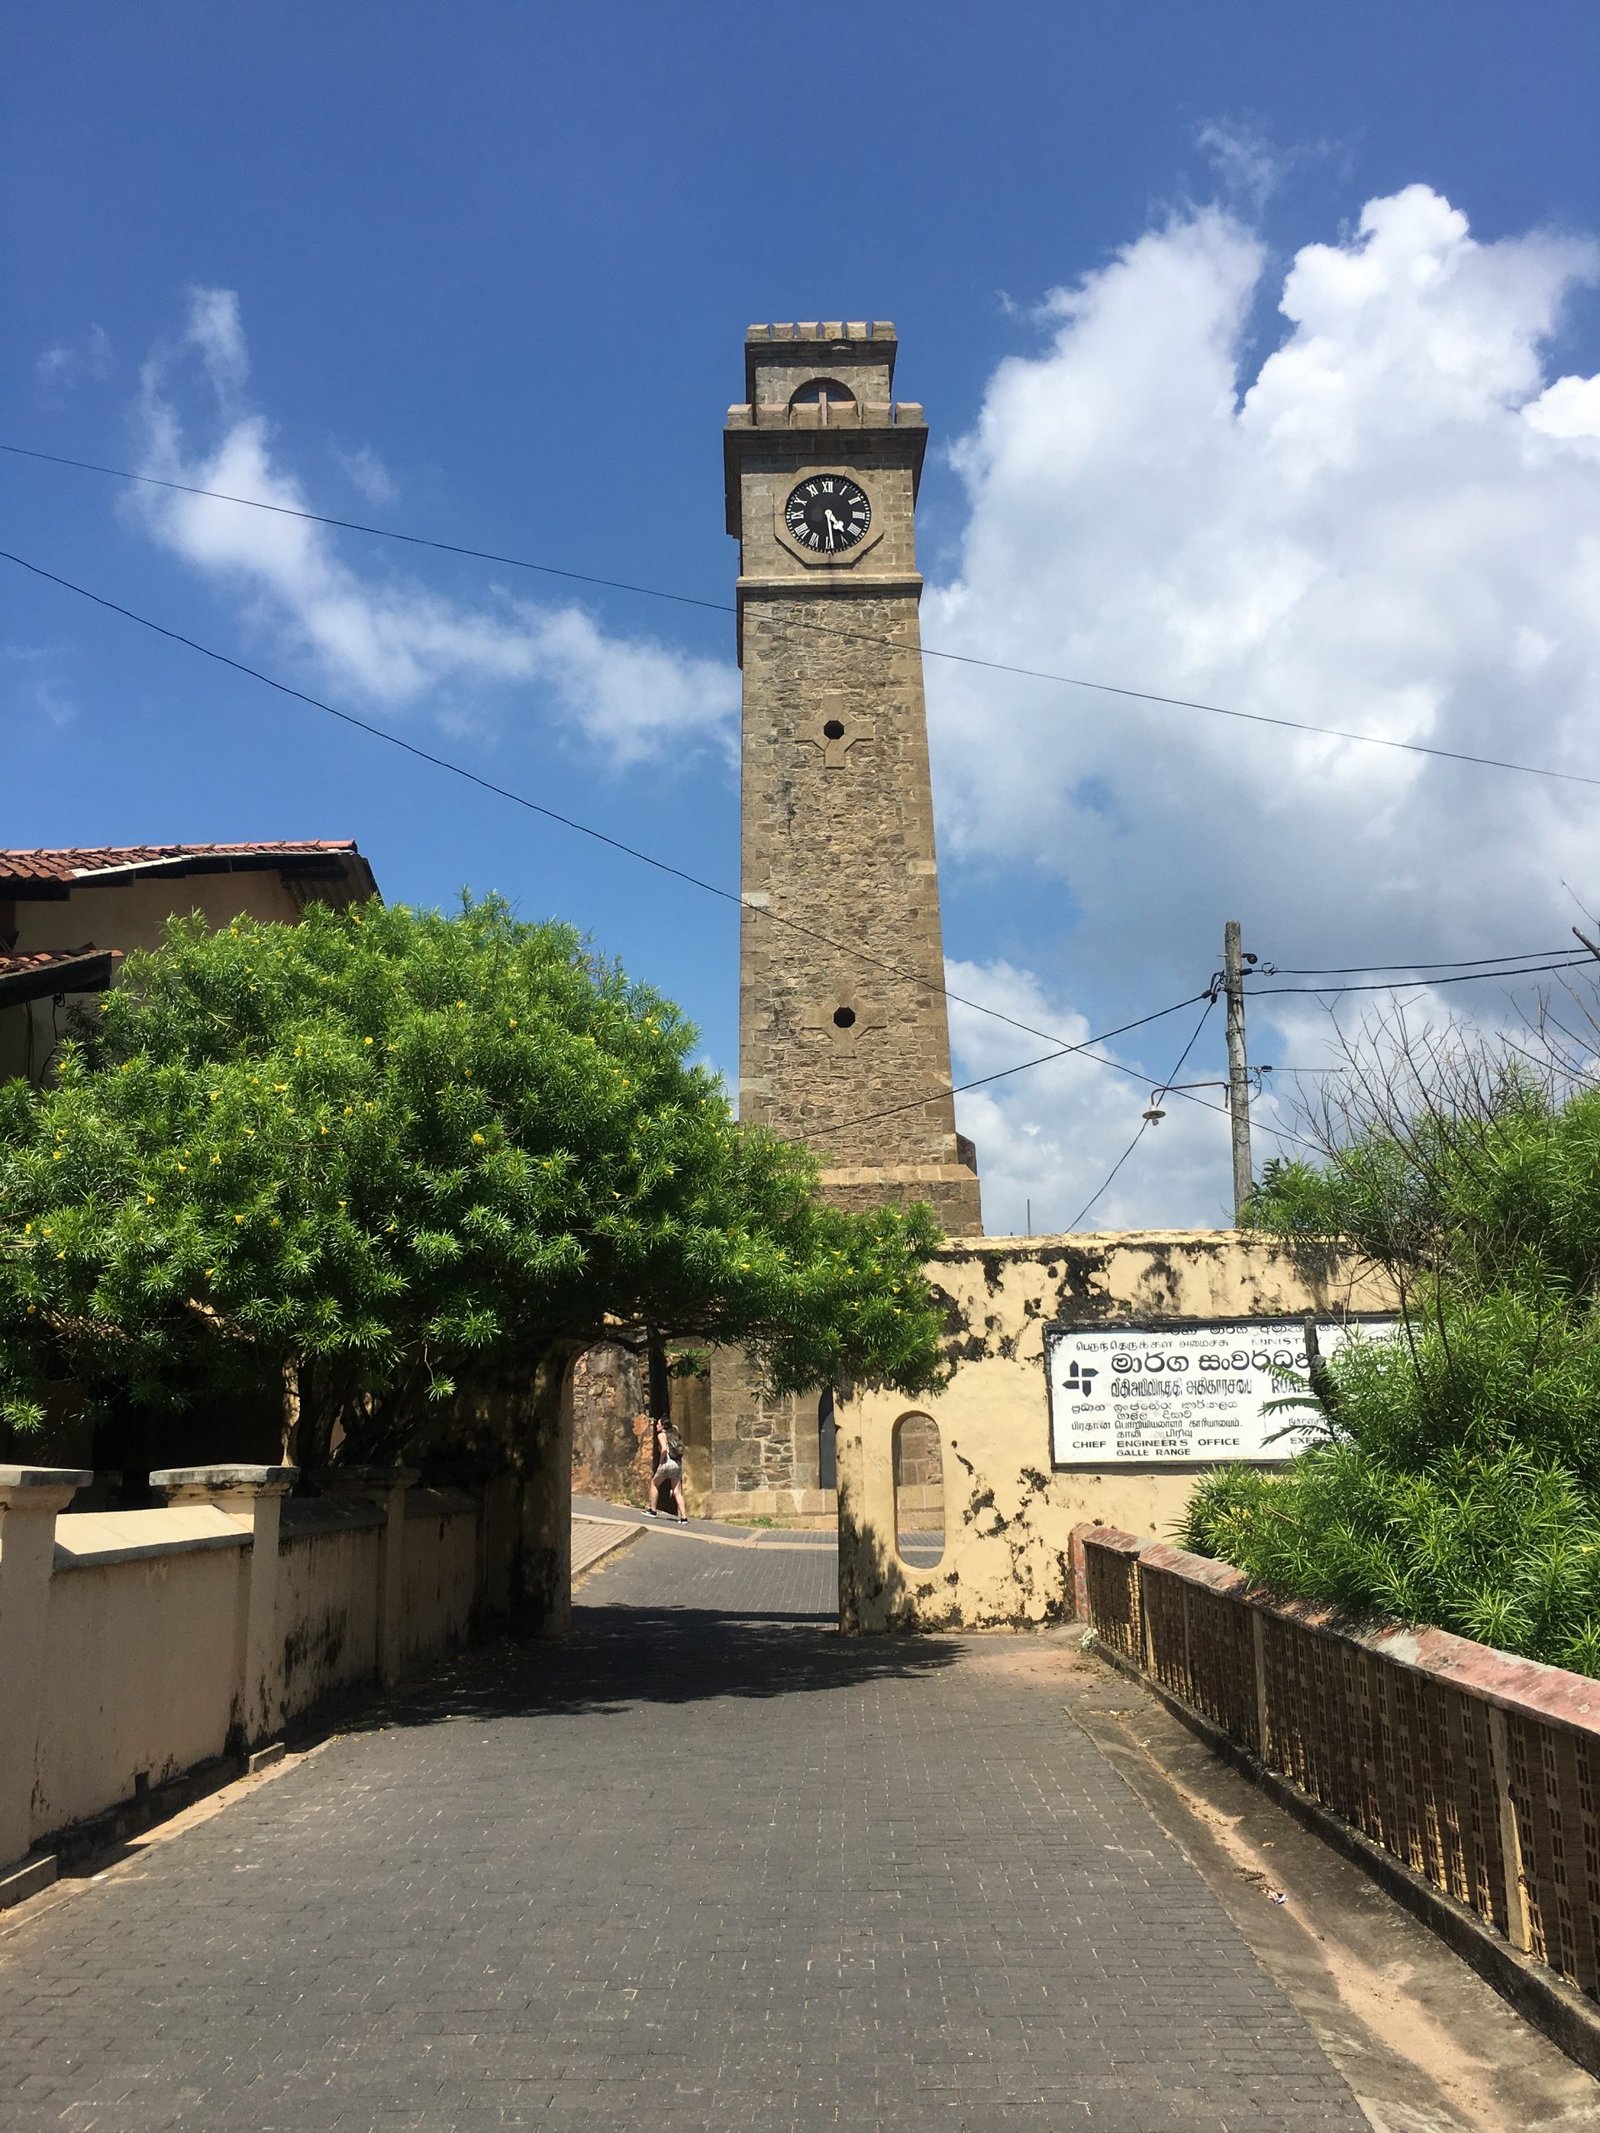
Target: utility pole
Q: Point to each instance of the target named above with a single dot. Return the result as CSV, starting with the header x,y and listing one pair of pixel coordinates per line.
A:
x,y
1238,1069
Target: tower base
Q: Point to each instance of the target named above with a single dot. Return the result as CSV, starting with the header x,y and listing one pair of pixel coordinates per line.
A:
x,y
951,1190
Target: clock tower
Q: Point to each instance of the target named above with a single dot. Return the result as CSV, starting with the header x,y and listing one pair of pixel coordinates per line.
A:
x,y
844,1038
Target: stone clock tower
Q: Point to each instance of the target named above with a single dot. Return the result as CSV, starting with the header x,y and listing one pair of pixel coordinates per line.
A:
x,y
845,1046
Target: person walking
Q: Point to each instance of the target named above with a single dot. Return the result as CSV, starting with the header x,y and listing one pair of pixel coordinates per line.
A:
x,y
667,1469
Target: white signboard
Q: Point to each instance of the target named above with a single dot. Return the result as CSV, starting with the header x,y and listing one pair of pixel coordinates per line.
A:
x,y
1182,1395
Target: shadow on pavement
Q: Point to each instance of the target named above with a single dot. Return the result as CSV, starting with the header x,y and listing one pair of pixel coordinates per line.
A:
x,y
619,1657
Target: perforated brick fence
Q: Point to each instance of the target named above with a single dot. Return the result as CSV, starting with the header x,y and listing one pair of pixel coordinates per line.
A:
x,y
1479,1771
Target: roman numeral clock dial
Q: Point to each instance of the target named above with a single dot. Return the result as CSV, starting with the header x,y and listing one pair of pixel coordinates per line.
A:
x,y
827,513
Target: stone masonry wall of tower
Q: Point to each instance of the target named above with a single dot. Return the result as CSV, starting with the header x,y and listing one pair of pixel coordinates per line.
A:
x,y
837,814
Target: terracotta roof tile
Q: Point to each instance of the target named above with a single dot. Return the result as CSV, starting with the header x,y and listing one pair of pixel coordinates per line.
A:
x,y
43,971
78,862
41,958
46,958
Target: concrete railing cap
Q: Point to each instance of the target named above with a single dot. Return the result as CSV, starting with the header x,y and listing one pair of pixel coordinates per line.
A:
x,y
265,1480
1529,1688
1112,1539
356,1478
45,1477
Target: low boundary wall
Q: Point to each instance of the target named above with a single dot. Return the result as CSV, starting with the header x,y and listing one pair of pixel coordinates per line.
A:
x,y
1477,1771
138,1646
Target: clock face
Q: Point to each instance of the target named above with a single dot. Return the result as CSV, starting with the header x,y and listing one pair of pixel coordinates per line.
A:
x,y
827,513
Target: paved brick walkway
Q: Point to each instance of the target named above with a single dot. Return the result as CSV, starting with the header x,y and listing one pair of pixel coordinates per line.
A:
x,y
708,1866
593,1539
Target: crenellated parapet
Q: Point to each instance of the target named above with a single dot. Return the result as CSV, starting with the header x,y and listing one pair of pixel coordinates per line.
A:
x,y
826,412
810,379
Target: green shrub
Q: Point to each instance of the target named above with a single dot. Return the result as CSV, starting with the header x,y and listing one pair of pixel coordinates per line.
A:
x,y
386,1154
1459,1485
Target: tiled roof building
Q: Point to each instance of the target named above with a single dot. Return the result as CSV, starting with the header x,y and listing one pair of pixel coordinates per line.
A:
x,y
26,873
69,914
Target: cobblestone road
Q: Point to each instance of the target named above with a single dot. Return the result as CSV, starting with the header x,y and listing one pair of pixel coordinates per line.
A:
x,y
707,1866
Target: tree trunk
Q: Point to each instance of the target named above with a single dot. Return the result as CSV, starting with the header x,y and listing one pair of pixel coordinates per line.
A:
x,y
313,1423
541,1571
658,1383
291,1408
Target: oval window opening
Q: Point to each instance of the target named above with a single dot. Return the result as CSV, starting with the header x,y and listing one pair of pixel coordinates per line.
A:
x,y
918,1492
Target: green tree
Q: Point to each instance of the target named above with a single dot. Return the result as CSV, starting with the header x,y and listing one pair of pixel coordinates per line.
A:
x,y
388,1159
1459,1480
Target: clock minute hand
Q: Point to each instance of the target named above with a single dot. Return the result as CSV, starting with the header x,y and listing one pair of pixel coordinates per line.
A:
x,y
835,525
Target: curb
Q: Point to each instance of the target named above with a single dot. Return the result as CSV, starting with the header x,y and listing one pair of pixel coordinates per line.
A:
x,y
1555,2008
27,1880
762,1539
623,1537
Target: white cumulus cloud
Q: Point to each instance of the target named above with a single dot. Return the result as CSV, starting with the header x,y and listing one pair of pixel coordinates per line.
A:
x,y
1047,1139
65,364
369,474
1384,520
392,639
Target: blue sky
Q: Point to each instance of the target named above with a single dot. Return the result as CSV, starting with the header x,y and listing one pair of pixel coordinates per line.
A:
x,y
483,272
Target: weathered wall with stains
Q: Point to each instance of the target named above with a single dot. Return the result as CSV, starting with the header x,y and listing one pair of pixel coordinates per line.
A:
x,y
440,1575
327,1607
160,1640
1007,1515
140,1651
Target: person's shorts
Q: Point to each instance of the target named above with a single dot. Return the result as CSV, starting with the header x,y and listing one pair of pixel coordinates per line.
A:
x,y
669,1470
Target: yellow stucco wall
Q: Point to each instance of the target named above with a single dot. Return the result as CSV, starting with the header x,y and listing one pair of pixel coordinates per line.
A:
x,y
127,915
141,1621
1007,1515
140,1654
133,914
440,1577
326,1639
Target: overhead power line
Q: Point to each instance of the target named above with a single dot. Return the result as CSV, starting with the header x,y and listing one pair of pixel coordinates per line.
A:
x,y
792,621
506,792
1117,1066
1370,970
1468,977
1062,1049
1146,1121
1065,1051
